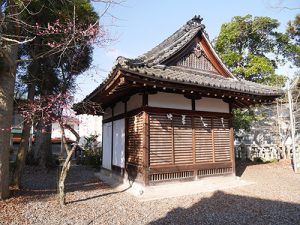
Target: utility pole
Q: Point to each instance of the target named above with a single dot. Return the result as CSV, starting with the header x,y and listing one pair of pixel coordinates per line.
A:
x,y
292,125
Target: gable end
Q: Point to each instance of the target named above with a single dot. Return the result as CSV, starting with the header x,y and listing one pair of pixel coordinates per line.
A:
x,y
197,59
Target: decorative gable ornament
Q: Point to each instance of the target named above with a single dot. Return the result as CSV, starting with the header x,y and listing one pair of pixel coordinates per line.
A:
x,y
199,51
185,58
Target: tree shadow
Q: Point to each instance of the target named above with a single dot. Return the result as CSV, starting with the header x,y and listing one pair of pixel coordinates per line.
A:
x,y
224,208
98,196
39,183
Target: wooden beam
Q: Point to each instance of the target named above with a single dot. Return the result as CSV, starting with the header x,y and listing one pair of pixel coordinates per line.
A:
x,y
146,149
173,143
112,137
145,99
213,138
231,133
167,110
193,104
193,140
178,168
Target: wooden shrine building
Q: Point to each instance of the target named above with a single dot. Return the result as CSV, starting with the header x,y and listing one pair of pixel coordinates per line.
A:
x,y
167,114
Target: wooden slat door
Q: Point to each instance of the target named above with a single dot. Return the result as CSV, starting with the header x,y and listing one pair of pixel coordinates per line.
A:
x,y
183,140
221,135
203,139
193,140
161,140
134,140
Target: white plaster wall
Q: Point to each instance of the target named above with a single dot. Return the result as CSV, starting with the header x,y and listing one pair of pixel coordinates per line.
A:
x,y
135,101
119,108
106,157
107,113
119,143
169,100
56,131
211,105
90,125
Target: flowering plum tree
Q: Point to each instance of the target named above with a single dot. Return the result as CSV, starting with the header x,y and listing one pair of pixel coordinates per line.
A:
x,y
53,36
57,108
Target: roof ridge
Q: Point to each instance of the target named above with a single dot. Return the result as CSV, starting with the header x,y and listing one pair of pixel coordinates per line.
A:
x,y
193,24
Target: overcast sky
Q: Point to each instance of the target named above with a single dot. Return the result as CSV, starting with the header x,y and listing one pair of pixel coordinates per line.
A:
x,y
139,25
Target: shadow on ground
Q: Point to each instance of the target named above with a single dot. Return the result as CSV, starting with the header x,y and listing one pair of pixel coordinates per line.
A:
x,y
223,208
241,165
39,183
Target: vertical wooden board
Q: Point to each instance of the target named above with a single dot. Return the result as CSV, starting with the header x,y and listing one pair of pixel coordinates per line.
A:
x,y
183,142
193,140
160,138
146,147
232,144
135,139
221,140
203,139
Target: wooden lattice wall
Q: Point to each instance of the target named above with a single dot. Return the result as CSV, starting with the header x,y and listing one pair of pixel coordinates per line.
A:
x,y
197,146
135,139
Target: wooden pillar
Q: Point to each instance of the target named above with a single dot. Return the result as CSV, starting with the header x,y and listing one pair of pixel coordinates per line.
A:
x,y
126,137
193,104
213,138
112,136
231,133
194,145
146,147
173,145
145,99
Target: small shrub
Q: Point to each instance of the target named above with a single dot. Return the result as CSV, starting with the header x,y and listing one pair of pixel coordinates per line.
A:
x,y
258,160
261,160
92,158
92,153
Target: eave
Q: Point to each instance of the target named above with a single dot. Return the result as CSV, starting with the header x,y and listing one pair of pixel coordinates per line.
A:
x,y
127,82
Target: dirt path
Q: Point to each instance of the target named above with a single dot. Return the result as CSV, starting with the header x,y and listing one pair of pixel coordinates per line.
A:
x,y
273,199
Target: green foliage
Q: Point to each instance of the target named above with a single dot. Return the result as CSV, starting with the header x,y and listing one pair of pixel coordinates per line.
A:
x,y
243,119
92,155
92,158
245,45
59,66
293,49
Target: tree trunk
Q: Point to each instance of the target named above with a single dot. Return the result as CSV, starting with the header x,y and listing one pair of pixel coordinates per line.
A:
x,y
38,143
42,148
63,176
43,143
67,163
8,57
46,153
24,145
7,83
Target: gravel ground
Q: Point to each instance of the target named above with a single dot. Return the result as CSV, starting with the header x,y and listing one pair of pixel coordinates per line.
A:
x,y
273,199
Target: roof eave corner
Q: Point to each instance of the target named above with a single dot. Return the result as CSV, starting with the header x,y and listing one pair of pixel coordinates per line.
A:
x,y
217,56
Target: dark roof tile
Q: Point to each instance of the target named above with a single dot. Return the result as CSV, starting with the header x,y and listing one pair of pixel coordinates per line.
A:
x,y
150,63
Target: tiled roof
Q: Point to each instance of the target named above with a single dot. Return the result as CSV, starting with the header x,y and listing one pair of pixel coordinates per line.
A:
x,y
151,64
174,43
203,79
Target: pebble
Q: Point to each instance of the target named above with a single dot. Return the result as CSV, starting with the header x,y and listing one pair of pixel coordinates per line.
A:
x,y
274,198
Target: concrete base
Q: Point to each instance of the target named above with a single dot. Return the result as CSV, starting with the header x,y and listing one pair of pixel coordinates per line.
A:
x,y
174,189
